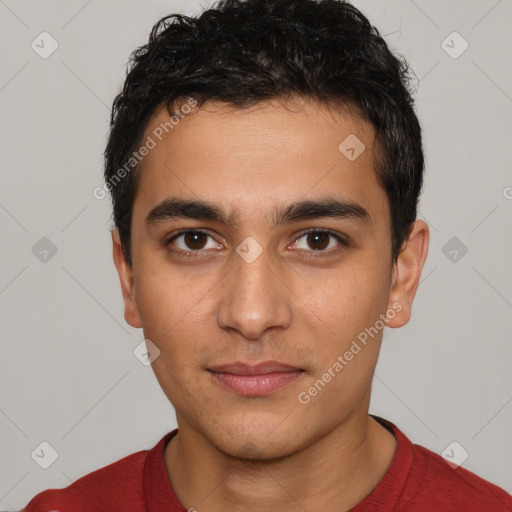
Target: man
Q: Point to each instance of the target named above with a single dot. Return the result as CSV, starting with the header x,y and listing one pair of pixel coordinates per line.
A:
x,y
265,164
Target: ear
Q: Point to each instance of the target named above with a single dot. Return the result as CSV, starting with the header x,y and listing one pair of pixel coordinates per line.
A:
x,y
131,310
406,274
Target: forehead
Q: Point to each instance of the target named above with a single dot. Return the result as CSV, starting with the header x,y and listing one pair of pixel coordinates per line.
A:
x,y
255,158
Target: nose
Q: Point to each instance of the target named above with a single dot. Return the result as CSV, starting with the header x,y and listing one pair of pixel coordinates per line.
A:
x,y
254,297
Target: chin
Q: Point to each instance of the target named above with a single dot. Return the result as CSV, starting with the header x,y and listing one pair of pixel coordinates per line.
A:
x,y
258,438
261,449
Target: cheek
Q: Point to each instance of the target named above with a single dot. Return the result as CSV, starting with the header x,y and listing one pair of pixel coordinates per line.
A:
x,y
172,316
168,296
349,299
172,319
350,303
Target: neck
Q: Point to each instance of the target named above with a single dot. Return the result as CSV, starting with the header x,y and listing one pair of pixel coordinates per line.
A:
x,y
334,473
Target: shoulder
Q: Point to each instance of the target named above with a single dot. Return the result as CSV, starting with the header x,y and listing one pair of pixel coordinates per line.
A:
x,y
434,481
420,480
106,488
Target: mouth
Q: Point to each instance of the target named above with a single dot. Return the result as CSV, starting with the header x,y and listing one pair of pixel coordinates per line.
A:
x,y
255,380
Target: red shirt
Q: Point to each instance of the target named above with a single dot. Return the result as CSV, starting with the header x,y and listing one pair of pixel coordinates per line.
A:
x,y
418,480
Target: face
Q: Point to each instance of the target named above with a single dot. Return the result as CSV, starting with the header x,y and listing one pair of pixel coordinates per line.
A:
x,y
285,257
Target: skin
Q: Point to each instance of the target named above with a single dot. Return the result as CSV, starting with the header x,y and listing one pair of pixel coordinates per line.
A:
x,y
292,304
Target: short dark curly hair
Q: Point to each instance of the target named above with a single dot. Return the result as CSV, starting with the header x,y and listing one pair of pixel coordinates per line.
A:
x,y
247,51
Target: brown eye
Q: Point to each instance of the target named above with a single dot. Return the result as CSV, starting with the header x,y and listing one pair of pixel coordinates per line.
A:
x,y
318,241
192,241
195,240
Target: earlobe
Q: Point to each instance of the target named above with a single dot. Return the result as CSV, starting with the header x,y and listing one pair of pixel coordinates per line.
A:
x,y
125,272
407,273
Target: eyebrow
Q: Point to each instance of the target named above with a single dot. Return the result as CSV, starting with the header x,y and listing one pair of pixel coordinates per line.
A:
x,y
173,207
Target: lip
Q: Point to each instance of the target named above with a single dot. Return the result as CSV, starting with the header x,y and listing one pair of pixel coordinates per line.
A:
x,y
239,368
254,380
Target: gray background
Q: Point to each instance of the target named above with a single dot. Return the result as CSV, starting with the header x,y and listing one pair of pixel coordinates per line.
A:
x,y
68,375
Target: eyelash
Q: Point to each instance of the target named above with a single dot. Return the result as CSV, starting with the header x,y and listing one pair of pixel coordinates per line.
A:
x,y
343,242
